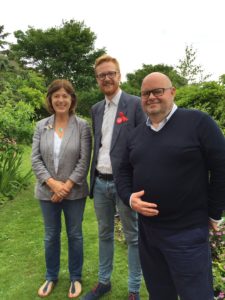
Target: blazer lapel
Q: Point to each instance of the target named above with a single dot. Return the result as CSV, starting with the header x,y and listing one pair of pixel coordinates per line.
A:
x,y
49,136
122,107
69,131
99,119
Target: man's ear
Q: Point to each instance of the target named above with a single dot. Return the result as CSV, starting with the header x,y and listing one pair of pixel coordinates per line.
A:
x,y
173,91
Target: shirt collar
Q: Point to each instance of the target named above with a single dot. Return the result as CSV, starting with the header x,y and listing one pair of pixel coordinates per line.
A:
x,y
115,100
164,121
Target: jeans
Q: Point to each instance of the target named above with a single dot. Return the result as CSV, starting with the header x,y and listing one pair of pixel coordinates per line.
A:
x,y
105,200
176,262
73,212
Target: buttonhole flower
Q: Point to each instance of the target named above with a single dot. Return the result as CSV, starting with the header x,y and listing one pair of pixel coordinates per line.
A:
x,y
121,118
49,126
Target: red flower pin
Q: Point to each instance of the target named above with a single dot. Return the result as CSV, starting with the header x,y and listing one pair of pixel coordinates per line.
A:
x,y
122,118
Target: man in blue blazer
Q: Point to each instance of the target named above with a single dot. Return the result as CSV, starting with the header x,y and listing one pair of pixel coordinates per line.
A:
x,y
112,119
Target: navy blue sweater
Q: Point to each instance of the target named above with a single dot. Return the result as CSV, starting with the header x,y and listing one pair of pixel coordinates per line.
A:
x,y
181,168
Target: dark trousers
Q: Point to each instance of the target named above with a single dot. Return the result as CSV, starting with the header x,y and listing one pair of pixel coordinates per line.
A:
x,y
176,263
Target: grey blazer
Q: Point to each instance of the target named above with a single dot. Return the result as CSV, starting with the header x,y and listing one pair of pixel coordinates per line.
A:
x,y
131,107
74,157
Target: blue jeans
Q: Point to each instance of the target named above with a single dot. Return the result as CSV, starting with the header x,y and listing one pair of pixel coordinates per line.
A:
x,y
105,200
73,212
176,262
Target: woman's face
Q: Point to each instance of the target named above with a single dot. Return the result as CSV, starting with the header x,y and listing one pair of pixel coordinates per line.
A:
x,y
61,101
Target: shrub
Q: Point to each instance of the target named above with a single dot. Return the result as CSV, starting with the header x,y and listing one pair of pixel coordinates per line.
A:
x,y
217,241
16,121
11,177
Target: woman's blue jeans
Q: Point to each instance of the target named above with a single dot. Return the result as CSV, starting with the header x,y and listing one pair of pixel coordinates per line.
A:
x,y
73,212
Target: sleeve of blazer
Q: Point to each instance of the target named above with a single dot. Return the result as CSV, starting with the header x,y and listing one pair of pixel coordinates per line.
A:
x,y
140,116
38,165
80,171
92,120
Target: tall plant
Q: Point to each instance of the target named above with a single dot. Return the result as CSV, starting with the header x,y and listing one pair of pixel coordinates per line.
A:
x,y
11,177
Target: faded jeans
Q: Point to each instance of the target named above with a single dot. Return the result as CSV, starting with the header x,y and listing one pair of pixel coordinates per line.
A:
x,y
73,211
105,200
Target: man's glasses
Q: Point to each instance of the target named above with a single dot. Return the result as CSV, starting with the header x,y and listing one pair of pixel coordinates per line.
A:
x,y
156,92
110,75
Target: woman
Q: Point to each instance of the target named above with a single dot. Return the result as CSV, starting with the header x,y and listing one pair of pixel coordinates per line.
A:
x,y
60,160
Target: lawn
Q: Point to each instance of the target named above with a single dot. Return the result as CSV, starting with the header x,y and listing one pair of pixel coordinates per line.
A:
x,y
22,266
22,257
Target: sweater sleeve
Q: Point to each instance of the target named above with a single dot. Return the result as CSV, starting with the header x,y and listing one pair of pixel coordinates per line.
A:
x,y
213,146
124,178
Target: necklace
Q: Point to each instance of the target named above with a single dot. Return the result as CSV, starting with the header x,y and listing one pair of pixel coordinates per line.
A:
x,y
60,129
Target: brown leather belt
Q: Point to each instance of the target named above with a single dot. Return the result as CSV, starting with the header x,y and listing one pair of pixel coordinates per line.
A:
x,y
106,177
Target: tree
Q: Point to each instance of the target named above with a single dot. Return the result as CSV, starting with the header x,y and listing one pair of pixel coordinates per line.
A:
x,y
134,80
22,94
59,52
188,68
2,37
207,96
4,62
222,79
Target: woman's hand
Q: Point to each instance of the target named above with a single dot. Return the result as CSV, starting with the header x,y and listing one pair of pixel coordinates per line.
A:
x,y
60,189
56,198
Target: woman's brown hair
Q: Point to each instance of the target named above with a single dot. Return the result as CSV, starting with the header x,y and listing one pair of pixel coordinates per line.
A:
x,y
57,85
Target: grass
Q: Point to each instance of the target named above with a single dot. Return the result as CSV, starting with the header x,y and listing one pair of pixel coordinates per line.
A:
x,y
22,251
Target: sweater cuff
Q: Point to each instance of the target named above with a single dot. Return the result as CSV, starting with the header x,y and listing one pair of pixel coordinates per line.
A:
x,y
216,221
215,214
130,201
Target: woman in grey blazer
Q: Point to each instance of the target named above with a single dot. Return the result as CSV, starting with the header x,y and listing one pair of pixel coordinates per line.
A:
x,y
61,153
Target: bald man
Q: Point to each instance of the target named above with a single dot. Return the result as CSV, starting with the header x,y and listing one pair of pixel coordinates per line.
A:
x,y
173,175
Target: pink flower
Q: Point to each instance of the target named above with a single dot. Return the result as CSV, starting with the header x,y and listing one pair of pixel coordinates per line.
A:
x,y
122,118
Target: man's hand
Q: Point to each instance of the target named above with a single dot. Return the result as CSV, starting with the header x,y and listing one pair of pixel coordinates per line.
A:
x,y
145,208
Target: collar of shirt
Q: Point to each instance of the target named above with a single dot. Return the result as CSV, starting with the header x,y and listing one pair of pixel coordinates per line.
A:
x,y
164,121
115,100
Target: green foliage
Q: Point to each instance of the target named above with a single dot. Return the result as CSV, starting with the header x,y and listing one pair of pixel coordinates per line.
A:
x,y
217,242
21,101
31,96
134,80
2,37
86,99
188,68
4,62
16,121
208,97
11,178
222,79
59,52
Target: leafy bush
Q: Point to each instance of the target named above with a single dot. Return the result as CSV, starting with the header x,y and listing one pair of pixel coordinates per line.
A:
x,y
217,241
16,121
11,177
207,96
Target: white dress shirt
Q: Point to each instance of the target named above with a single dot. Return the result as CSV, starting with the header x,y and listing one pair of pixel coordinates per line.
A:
x,y
57,145
104,163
